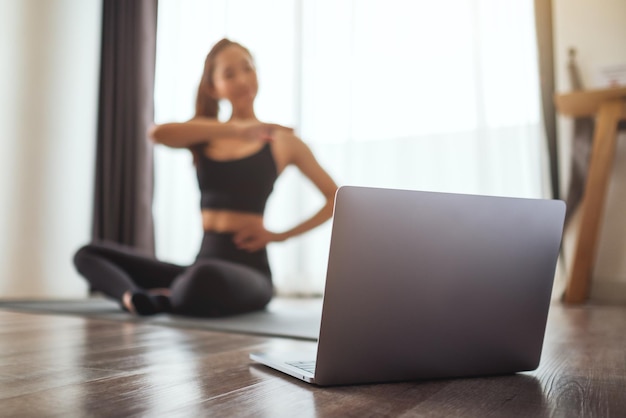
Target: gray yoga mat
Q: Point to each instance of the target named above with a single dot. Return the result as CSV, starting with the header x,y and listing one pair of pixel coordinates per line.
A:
x,y
292,318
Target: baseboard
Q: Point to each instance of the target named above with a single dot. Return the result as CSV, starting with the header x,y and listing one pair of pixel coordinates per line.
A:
x,y
608,291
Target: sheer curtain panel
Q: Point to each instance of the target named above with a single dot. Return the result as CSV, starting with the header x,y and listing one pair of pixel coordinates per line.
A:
x,y
440,96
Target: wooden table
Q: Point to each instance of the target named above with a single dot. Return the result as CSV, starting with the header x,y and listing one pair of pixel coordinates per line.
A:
x,y
64,366
609,108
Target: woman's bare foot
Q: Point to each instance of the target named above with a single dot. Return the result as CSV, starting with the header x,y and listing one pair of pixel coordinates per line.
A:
x,y
127,300
140,303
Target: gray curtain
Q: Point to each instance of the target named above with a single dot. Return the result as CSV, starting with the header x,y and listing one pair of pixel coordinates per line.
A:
x,y
124,161
543,25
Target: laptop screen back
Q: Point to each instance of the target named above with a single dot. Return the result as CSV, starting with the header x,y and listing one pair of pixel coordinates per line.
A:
x,y
429,285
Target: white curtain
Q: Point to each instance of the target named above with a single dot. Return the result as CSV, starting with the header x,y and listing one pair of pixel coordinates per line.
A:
x,y
439,96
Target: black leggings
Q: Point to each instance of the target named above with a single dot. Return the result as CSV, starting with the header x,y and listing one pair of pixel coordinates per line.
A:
x,y
222,281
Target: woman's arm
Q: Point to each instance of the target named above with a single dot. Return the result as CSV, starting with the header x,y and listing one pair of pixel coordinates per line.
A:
x,y
201,129
303,158
300,155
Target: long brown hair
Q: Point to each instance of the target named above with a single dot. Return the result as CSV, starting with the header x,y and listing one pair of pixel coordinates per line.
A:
x,y
206,104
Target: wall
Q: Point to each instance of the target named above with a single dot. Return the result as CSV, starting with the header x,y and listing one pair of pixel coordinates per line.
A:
x,y
597,29
49,52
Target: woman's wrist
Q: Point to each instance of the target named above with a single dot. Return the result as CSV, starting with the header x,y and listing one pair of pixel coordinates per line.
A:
x,y
281,236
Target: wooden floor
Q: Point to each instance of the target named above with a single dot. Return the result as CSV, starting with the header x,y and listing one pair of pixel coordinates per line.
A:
x,y
73,367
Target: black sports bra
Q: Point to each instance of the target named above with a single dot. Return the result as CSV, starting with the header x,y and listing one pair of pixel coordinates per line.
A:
x,y
241,185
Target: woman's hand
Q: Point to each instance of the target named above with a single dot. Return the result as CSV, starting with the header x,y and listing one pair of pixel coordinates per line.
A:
x,y
255,237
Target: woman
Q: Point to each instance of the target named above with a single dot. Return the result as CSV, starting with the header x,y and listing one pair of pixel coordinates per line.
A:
x,y
237,164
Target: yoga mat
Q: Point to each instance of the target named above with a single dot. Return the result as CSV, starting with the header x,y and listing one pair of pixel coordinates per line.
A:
x,y
292,318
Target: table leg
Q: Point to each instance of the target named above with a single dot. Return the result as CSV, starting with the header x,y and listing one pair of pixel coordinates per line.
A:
x,y
600,165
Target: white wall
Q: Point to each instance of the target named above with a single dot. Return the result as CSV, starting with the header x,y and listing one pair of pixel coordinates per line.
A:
x,y
49,55
597,29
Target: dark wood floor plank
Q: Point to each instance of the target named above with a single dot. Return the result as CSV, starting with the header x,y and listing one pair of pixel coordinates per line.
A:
x,y
72,366
583,369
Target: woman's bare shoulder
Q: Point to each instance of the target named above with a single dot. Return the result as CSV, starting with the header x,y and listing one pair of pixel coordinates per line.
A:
x,y
286,148
290,141
290,146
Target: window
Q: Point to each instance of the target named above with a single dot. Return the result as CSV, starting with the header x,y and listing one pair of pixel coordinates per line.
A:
x,y
391,93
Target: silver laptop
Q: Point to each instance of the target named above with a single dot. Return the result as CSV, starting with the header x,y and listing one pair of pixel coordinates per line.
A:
x,y
424,285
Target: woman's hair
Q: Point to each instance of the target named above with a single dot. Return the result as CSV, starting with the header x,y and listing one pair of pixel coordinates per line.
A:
x,y
206,105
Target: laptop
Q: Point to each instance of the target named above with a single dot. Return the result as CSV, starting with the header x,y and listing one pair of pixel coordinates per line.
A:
x,y
425,285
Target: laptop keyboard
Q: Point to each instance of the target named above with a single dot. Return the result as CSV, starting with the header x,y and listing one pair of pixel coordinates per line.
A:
x,y
307,366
